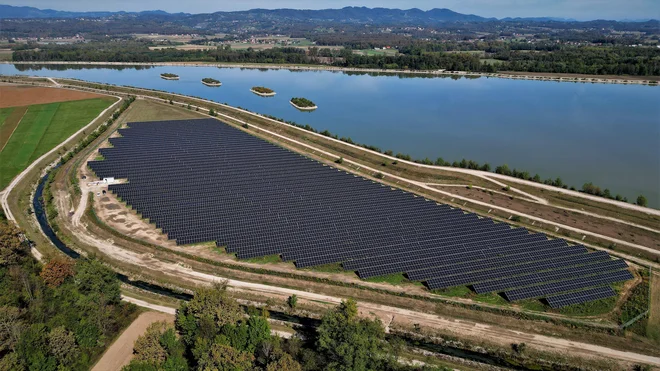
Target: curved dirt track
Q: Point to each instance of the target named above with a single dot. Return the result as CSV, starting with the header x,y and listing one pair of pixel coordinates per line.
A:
x,y
120,353
458,326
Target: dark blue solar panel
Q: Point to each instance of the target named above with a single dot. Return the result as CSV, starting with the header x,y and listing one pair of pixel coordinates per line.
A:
x,y
201,180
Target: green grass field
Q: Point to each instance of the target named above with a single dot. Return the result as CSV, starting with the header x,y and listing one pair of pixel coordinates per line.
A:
x,y
4,113
42,128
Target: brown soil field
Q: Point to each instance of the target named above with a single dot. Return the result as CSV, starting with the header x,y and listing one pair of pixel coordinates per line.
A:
x,y
120,352
16,96
10,125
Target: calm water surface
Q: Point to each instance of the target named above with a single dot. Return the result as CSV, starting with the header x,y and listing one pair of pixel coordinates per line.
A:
x,y
605,134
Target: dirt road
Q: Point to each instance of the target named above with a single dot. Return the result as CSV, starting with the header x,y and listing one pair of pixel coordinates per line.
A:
x,y
120,353
477,173
472,329
494,333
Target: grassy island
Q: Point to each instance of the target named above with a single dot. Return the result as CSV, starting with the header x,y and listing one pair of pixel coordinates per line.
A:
x,y
303,104
263,91
169,76
211,82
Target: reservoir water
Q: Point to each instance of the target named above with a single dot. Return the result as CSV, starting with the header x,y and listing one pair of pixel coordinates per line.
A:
x,y
607,134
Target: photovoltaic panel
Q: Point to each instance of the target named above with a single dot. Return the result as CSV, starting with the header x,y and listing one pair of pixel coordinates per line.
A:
x,y
582,296
202,180
545,290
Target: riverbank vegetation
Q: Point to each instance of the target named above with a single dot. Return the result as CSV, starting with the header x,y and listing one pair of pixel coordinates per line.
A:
x,y
57,316
303,102
210,81
212,332
592,60
504,169
120,236
262,90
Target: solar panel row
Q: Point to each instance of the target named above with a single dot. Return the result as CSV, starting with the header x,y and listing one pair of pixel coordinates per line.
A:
x,y
200,180
578,297
547,289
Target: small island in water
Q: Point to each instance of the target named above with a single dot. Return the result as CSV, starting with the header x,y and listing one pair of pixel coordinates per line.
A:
x,y
262,91
211,82
303,104
169,76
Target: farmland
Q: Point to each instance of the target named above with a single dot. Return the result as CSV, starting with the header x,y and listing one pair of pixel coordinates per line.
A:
x,y
27,132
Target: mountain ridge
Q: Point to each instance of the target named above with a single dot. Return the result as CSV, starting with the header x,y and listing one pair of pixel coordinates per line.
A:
x,y
345,15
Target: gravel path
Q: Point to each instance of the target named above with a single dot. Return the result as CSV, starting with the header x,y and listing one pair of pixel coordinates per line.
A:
x,y
120,353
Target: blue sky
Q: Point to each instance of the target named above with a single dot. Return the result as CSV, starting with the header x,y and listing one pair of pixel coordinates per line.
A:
x,y
578,9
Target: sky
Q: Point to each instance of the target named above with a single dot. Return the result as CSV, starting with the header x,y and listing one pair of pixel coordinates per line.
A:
x,y
577,9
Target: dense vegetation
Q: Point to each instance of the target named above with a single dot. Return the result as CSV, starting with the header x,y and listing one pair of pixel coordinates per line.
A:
x,y
56,316
263,90
214,333
169,75
303,102
637,304
209,80
598,60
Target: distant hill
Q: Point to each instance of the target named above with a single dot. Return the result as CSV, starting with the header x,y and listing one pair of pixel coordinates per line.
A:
x,y
358,15
8,11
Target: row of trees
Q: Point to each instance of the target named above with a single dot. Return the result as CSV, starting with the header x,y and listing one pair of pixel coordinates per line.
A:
x,y
56,316
426,56
212,332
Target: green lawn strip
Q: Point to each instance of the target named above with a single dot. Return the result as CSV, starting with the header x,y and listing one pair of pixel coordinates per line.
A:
x,y
18,150
70,117
42,128
4,113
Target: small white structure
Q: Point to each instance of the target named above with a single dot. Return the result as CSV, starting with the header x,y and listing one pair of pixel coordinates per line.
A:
x,y
109,180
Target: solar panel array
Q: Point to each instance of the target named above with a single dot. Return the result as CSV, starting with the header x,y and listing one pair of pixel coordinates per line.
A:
x,y
201,180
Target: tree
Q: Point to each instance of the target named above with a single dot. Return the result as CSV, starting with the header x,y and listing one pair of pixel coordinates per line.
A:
x,y
503,169
641,201
211,112
292,301
349,342
204,315
225,358
558,182
12,249
11,327
148,348
94,278
56,271
285,363
63,346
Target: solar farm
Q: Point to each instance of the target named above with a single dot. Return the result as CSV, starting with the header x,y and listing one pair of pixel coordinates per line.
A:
x,y
201,180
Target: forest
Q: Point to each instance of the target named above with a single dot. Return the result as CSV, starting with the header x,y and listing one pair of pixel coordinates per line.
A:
x,y
213,332
63,314
60,315
594,60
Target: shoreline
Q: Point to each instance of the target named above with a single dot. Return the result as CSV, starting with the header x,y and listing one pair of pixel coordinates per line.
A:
x,y
304,108
169,78
212,84
263,94
594,79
